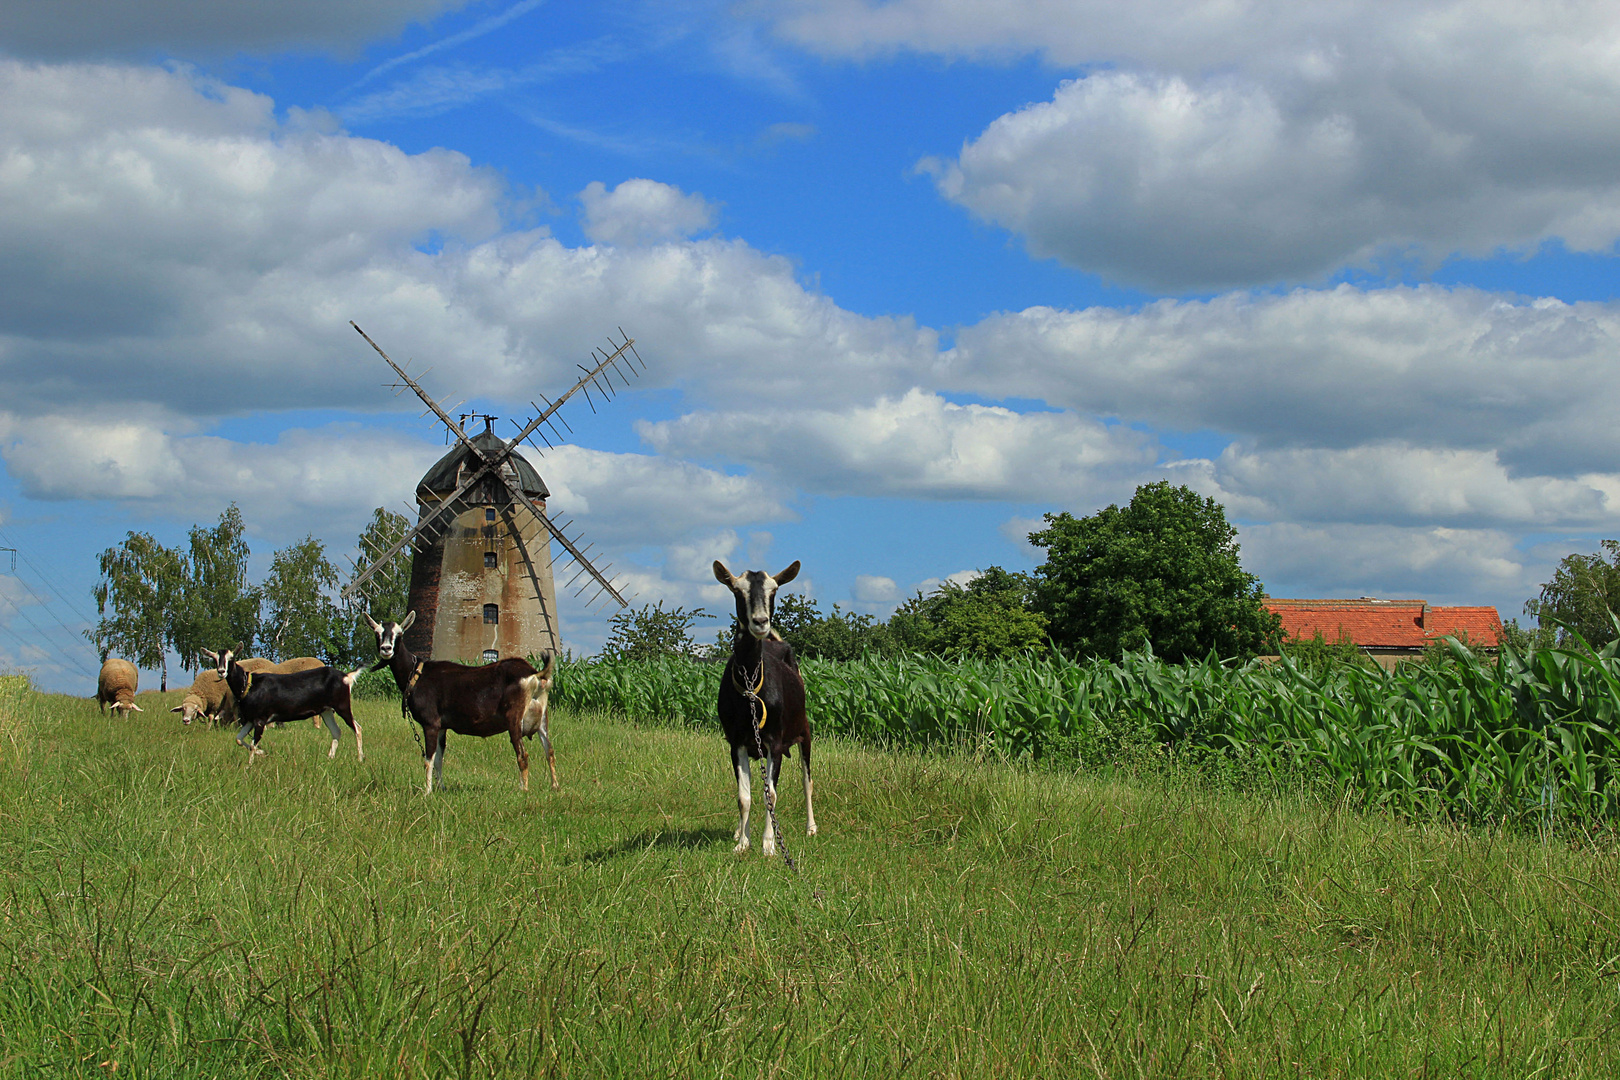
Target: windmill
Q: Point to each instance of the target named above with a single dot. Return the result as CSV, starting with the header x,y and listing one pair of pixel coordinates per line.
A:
x,y
481,571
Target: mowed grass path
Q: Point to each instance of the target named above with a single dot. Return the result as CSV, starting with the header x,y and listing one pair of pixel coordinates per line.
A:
x,y
167,910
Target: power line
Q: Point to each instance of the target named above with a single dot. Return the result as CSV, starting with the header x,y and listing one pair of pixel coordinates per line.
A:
x,y
46,578
71,633
62,653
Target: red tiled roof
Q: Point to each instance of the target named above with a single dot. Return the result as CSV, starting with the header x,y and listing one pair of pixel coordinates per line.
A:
x,y
1387,624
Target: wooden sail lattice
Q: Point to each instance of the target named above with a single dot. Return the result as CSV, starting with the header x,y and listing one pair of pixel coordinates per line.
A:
x,y
619,360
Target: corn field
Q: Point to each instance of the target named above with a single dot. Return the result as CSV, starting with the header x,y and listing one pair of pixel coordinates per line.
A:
x,y
1526,738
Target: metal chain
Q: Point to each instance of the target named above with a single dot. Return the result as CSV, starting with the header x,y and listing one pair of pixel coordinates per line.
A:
x,y
770,788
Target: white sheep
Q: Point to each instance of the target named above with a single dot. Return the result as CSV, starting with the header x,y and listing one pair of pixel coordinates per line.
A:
x,y
208,697
116,686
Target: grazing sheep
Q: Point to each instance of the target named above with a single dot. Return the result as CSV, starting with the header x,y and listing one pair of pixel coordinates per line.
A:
x,y
116,686
208,697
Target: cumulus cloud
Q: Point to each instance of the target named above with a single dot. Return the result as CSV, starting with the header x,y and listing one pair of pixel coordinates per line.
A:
x,y
1442,565
61,29
641,211
327,479
1218,145
161,222
874,589
920,445
1402,484
1428,367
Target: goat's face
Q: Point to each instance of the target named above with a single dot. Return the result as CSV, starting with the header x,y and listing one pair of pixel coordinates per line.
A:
x,y
222,659
755,592
389,633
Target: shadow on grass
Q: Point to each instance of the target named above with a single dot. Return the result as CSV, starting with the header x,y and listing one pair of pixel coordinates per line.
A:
x,y
667,839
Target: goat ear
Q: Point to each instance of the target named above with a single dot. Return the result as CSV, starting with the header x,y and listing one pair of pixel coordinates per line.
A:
x,y
376,627
789,574
722,575
238,648
410,617
214,656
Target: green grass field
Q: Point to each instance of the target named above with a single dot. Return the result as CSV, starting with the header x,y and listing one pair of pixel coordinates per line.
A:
x,y
166,912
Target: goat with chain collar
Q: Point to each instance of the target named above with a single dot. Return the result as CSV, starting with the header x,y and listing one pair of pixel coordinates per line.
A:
x,y
762,699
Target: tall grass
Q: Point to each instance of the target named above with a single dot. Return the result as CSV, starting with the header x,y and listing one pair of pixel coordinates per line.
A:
x,y
167,911
1524,738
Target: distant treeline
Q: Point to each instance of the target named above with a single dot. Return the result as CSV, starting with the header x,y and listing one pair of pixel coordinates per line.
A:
x,y
155,600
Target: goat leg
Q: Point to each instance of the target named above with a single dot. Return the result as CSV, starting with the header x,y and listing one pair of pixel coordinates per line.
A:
x,y
745,796
773,765
809,806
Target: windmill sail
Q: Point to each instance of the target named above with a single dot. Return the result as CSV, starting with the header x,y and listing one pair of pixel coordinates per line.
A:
x,y
485,472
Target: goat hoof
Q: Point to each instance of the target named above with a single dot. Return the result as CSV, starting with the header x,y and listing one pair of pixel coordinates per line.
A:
x,y
810,830
742,846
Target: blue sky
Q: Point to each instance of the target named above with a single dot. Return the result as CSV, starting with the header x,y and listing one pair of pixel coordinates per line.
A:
x,y
906,275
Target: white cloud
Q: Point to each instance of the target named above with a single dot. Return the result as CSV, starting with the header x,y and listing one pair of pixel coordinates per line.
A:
x,y
328,479
1441,565
873,589
636,499
161,223
643,211
918,445
1427,367
75,28
1402,484
1216,145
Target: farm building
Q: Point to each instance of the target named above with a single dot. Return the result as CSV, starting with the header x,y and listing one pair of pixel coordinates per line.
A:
x,y
482,588
1387,630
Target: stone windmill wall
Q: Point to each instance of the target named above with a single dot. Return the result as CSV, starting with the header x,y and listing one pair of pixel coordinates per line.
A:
x,y
483,588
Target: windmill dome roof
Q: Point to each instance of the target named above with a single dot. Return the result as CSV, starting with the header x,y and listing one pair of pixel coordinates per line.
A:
x,y
447,473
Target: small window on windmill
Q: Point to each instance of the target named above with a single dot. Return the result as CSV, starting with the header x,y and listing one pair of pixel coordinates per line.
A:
x,y
489,559
489,514
492,613
490,656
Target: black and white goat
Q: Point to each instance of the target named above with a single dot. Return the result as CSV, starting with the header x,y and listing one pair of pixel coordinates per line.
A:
x,y
262,698
762,666
508,695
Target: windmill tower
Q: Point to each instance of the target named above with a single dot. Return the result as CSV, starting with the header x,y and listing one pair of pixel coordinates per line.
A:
x,y
481,569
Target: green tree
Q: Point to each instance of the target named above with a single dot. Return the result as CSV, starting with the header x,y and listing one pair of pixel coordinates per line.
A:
x,y
840,635
990,616
1161,572
143,584
221,609
387,595
1583,591
648,632
301,619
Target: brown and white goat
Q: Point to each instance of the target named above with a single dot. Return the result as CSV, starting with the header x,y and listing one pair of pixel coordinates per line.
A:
x,y
507,695
763,664
262,698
